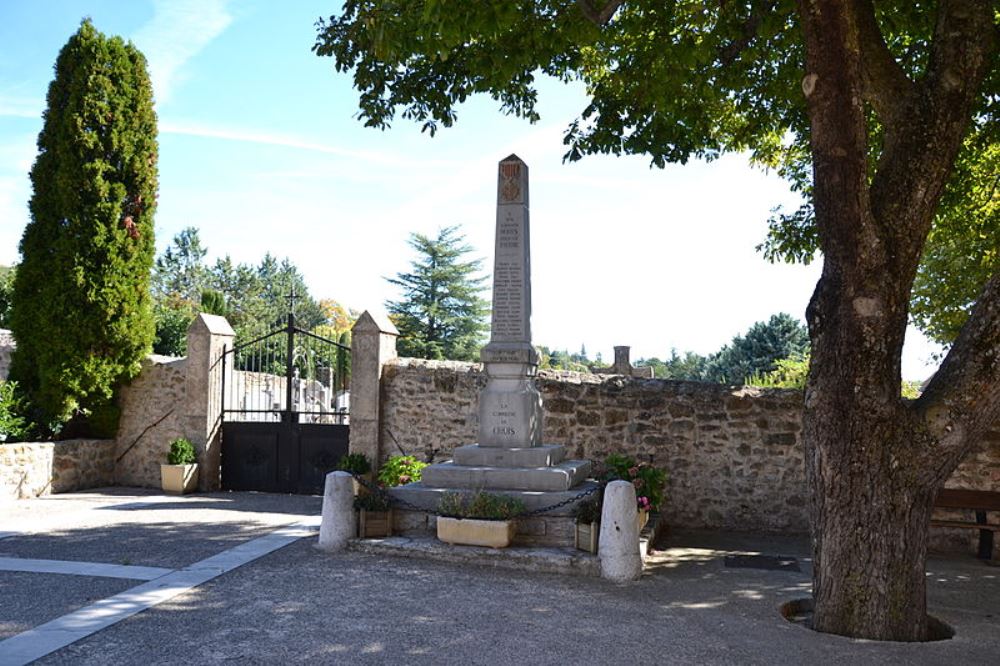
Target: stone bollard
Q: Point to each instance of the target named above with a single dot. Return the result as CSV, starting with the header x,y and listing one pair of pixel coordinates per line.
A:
x,y
337,525
618,547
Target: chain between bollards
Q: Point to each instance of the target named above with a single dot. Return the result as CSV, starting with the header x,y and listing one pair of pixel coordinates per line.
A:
x,y
402,503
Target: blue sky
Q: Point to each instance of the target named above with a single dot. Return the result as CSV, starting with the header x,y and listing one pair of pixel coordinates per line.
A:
x,y
260,149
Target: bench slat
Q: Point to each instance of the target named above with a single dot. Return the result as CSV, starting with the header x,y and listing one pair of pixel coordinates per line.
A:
x,y
958,523
975,500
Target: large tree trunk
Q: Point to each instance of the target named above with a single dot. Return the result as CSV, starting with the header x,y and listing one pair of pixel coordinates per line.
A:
x,y
874,461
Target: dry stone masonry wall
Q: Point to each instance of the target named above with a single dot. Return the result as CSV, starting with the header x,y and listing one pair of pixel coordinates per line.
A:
x,y
7,346
733,455
152,416
31,469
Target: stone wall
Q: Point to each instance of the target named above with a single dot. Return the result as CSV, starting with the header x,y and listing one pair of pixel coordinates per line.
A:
x,y
31,469
733,455
152,409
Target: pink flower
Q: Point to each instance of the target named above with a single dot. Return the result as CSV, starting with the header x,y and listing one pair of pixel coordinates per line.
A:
x,y
633,471
643,503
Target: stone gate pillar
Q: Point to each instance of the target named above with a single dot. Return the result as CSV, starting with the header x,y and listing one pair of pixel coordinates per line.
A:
x,y
373,344
207,338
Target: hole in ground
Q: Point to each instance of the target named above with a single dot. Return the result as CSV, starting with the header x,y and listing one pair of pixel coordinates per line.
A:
x,y
800,611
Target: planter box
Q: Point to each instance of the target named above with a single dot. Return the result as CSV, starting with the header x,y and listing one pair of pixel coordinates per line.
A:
x,y
585,537
374,523
179,479
641,519
471,532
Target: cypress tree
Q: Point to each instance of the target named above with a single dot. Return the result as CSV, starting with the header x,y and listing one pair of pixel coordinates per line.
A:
x,y
82,312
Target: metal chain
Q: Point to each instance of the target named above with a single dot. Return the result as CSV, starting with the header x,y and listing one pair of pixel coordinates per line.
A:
x,y
398,501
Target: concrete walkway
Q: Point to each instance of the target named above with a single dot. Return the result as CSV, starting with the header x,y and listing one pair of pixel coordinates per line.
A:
x,y
296,604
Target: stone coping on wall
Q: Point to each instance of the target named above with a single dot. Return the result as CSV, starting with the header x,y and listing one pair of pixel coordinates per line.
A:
x,y
31,469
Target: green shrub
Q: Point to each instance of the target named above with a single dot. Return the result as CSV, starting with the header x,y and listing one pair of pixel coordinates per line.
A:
x,y
355,463
480,506
373,502
182,452
588,511
648,480
14,426
399,470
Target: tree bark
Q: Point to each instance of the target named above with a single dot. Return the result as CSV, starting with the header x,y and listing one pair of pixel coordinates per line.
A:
x,y
875,461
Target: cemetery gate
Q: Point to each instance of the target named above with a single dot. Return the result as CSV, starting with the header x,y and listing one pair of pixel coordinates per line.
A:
x,y
284,411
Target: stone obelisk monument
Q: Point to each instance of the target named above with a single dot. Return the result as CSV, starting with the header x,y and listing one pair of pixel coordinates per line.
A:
x,y
510,455
510,407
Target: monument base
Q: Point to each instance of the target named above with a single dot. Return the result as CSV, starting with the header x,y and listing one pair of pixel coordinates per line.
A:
x,y
563,476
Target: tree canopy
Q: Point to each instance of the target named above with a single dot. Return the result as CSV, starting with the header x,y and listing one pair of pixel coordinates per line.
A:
x,y
81,308
253,298
440,313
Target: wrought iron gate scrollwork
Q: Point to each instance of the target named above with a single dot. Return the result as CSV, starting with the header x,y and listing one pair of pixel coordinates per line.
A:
x,y
284,410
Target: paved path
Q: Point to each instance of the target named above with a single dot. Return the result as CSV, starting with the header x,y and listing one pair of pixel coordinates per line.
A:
x,y
296,604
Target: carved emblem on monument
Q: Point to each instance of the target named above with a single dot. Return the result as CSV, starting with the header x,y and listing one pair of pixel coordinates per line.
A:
x,y
510,181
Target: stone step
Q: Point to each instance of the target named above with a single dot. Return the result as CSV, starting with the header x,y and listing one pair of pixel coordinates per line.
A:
x,y
563,476
534,456
426,499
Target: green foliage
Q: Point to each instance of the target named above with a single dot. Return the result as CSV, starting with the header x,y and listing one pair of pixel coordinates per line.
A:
x,y
672,81
355,463
344,358
788,373
480,506
379,501
562,360
689,367
81,307
399,470
440,314
588,512
172,322
963,248
213,302
6,293
648,480
911,390
253,298
14,425
756,352
181,452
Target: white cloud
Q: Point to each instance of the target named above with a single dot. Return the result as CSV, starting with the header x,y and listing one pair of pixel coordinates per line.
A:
x,y
288,141
178,30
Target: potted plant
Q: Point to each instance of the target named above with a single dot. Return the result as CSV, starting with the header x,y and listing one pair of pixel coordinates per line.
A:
x,y
480,519
180,473
648,482
374,515
588,525
400,470
357,465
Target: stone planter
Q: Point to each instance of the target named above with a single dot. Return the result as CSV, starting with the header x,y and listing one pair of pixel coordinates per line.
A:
x,y
179,479
472,532
585,536
373,524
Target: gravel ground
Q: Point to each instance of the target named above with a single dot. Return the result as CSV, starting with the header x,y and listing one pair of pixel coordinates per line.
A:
x,y
300,605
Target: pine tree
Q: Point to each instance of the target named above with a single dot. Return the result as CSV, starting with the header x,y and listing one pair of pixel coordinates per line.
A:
x,y
82,314
441,314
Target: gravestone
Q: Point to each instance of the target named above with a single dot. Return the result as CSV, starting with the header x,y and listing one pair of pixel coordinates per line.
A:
x,y
510,457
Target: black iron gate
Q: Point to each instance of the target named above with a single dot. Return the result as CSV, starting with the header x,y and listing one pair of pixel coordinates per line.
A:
x,y
284,411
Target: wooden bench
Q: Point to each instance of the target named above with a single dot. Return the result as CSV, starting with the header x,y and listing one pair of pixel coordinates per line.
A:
x,y
979,501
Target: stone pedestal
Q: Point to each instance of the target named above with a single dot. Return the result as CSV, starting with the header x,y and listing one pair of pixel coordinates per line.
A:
x,y
509,457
